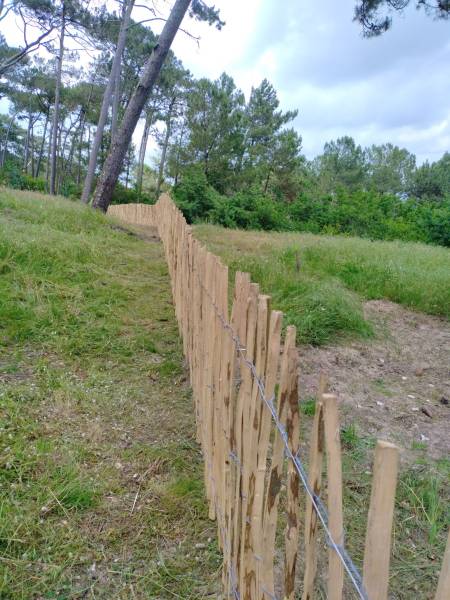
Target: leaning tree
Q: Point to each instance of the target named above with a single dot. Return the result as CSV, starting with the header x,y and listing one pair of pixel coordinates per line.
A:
x,y
113,164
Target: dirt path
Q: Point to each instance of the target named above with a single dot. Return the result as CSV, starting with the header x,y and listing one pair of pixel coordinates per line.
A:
x,y
101,480
395,387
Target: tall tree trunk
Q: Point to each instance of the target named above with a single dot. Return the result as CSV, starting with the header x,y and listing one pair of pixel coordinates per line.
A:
x,y
177,164
5,143
142,151
80,148
113,165
27,145
50,137
58,154
53,159
41,150
115,105
106,103
164,149
32,148
127,176
73,141
89,143
117,92
64,165
266,184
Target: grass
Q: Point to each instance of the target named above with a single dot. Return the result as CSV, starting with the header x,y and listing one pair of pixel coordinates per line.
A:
x,y
101,485
321,282
422,512
421,518
308,407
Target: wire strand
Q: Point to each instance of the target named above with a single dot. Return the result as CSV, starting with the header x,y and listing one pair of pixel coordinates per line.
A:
x,y
320,509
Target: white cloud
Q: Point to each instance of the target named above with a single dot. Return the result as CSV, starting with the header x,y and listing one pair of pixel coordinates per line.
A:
x,y
394,88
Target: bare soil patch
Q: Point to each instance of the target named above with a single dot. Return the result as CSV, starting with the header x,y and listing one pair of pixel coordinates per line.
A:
x,y
395,387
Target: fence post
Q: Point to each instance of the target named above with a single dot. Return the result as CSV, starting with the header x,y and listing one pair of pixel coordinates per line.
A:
x,y
443,588
286,389
315,484
334,484
379,522
293,480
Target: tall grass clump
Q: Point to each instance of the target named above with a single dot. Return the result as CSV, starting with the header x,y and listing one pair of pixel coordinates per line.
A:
x,y
321,282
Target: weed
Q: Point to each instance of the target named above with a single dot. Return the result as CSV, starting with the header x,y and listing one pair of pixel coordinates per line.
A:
x,y
350,437
308,407
419,445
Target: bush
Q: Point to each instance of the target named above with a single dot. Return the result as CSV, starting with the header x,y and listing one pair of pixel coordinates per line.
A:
x,y
123,195
194,196
362,213
12,176
249,210
372,215
70,189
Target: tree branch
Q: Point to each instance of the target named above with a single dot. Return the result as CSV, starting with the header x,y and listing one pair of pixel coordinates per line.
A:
x,y
31,47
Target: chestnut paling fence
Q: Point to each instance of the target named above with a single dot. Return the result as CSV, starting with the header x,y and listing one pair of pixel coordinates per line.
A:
x,y
244,383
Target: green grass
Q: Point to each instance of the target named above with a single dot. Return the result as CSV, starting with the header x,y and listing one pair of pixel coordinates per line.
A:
x,y
101,481
421,518
101,484
308,407
321,282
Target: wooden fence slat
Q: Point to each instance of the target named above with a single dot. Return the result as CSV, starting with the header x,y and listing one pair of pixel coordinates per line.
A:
x,y
443,588
262,437
379,522
276,467
208,383
249,531
244,329
315,483
334,493
237,433
293,479
246,385
238,324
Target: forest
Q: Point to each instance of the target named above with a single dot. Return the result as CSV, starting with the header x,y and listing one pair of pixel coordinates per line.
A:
x,y
227,159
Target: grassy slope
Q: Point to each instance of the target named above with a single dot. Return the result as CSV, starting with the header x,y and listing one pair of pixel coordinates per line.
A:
x,y
320,281
101,489
95,414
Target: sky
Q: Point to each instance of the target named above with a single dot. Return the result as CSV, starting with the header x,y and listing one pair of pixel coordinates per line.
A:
x,y
393,88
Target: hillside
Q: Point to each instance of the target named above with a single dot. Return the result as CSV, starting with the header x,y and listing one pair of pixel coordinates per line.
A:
x,y
102,484
101,489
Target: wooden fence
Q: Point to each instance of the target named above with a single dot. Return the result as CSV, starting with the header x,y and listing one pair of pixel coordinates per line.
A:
x,y
244,382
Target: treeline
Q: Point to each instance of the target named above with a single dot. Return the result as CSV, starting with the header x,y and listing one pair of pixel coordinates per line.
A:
x,y
230,160
69,128
33,143
377,192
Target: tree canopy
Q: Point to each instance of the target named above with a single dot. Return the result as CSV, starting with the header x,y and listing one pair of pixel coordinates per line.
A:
x,y
375,16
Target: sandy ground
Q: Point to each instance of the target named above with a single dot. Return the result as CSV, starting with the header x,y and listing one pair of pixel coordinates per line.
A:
x,y
394,387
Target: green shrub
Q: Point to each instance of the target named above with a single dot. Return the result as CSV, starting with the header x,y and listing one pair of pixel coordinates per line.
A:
x,y
249,209
123,195
12,176
194,196
371,215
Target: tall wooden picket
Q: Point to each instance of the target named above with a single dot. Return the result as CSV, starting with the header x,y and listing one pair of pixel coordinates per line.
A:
x,y
244,379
